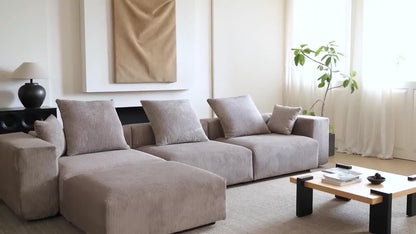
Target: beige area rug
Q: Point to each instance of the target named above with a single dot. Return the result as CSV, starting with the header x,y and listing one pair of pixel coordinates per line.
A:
x,y
260,207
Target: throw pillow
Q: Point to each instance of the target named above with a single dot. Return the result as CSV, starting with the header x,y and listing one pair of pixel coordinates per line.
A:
x,y
174,121
91,126
238,116
51,131
283,119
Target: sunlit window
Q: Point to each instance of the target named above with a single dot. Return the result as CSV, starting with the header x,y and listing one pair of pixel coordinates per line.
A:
x,y
389,41
318,22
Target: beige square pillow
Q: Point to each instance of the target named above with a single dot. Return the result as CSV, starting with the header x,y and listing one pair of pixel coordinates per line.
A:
x,y
174,121
238,116
283,119
51,131
91,126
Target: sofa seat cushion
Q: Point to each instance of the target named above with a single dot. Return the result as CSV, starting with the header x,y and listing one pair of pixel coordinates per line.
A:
x,y
232,162
86,163
275,154
161,197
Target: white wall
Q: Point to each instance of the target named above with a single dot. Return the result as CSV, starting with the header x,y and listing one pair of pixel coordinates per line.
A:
x,y
48,32
22,38
248,53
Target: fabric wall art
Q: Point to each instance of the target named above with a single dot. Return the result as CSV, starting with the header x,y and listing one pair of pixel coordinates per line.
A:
x,y
144,41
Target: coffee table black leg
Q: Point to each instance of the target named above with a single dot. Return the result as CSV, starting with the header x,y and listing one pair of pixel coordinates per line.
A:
x,y
380,214
304,197
411,204
342,198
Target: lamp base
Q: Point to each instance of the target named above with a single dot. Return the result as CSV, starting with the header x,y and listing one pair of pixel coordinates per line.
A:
x,y
32,95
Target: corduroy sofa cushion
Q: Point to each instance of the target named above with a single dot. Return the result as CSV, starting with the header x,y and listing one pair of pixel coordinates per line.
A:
x,y
148,197
283,119
239,116
174,121
51,131
232,162
275,154
91,126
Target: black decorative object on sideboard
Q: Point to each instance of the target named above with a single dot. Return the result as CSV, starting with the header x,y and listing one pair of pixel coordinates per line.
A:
x,y
22,119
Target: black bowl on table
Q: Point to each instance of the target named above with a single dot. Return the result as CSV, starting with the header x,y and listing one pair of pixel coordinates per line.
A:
x,y
375,180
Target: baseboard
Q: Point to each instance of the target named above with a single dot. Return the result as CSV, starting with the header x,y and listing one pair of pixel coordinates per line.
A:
x,y
404,154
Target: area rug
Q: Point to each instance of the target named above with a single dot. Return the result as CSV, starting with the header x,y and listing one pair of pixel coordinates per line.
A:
x,y
261,207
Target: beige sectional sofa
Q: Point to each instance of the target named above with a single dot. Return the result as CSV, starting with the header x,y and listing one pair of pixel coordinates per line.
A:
x,y
92,190
101,185
246,158
147,188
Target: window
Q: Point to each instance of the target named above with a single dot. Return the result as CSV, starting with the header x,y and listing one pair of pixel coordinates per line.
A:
x,y
316,23
389,41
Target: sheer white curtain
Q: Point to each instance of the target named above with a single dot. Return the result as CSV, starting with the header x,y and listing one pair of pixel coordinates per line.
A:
x,y
375,120
367,125
314,23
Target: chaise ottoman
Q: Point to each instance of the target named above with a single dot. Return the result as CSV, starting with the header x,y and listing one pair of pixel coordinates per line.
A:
x,y
157,197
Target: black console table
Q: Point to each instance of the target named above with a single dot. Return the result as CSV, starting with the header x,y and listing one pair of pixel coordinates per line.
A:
x,y
131,115
22,119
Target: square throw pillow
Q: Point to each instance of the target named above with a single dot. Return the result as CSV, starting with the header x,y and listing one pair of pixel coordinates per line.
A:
x,y
51,131
283,119
238,116
91,126
174,121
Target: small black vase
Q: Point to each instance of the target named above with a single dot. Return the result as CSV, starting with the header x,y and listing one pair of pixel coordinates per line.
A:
x,y
32,95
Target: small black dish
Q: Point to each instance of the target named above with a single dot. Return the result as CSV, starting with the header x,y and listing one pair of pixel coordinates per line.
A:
x,y
375,180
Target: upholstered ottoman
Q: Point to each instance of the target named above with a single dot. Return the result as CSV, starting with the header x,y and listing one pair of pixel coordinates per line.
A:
x,y
160,197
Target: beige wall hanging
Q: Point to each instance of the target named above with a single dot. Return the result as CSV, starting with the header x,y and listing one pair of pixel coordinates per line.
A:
x,y
144,41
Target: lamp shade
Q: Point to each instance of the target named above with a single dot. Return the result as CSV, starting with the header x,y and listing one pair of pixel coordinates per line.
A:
x,y
30,94
29,71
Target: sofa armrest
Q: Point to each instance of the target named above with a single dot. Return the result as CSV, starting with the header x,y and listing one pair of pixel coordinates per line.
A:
x,y
28,175
317,128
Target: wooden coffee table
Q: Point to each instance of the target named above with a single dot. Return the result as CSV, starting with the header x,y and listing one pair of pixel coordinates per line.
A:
x,y
379,197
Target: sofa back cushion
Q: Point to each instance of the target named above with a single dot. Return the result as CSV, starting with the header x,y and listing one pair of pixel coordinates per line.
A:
x,y
50,130
238,116
173,121
91,126
141,134
283,119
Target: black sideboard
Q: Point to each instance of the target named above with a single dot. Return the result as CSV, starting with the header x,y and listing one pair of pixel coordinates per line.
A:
x,y
22,119
131,115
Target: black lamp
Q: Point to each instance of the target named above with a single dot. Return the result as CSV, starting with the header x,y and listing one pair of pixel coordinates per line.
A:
x,y
30,94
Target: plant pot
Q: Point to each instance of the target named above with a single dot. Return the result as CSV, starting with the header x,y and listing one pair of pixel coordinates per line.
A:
x,y
331,151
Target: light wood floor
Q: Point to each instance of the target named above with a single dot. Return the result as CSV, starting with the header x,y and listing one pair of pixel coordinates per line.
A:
x,y
398,166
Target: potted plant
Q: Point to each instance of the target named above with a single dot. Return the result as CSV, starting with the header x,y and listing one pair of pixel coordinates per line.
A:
x,y
326,58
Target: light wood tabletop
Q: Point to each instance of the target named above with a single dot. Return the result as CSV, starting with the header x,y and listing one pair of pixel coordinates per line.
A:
x,y
397,185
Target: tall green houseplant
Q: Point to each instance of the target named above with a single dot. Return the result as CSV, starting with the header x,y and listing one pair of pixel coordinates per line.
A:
x,y
326,57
